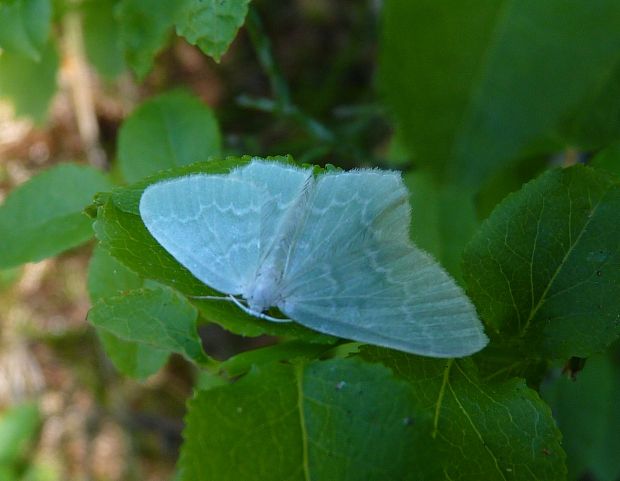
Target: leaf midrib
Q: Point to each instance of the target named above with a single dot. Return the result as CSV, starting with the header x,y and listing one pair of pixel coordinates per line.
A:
x,y
299,371
562,263
471,421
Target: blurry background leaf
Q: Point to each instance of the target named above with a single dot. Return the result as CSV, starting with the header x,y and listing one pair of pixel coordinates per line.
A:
x,y
544,269
18,425
474,85
8,277
44,217
170,130
608,159
211,24
144,30
443,219
506,180
586,410
25,27
595,122
102,37
29,84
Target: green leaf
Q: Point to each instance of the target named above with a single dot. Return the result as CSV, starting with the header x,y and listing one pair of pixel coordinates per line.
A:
x,y
443,219
474,85
504,361
208,380
8,277
133,358
102,37
608,159
28,84
120,230
479,430
595,122
18,425
25,27
586,410
284,351
43,217
507,180
9,473
144,30
156,317
171,130
544,269
107,277
336,420
397,155
40,471
212,24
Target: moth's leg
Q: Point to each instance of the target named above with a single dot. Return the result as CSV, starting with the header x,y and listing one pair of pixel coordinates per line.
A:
x,y
260,315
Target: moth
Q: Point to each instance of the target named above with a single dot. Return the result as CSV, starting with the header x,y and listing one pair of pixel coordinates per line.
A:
x,y
332,252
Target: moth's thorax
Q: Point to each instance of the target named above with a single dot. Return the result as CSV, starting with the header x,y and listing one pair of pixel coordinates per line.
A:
x,y
263,292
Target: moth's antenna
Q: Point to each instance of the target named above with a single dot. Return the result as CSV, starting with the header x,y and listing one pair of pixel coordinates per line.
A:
x,y
243,307
212,298
260,315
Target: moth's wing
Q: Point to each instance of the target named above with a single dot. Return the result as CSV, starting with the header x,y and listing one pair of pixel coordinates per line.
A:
x,y
210,224
282,181
354,273
286,185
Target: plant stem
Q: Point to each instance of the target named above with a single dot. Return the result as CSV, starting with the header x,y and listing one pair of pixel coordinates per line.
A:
x,y
281,104
311,125
80,86
264,52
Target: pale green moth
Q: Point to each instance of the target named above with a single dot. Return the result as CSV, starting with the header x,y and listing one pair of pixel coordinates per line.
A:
x,y
332,252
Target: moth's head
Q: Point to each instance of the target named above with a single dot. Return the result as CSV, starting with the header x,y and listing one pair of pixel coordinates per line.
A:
x,y
263,292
